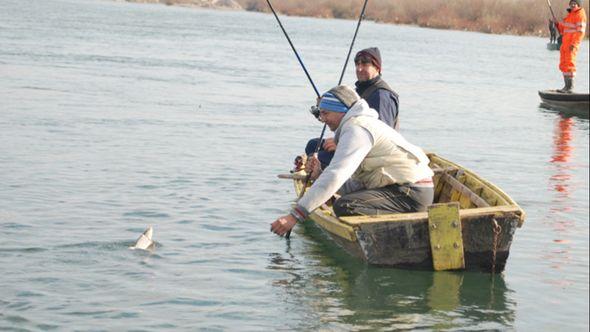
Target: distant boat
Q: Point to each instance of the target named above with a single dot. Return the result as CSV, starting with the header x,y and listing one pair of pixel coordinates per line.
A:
x,y
483,217
573,102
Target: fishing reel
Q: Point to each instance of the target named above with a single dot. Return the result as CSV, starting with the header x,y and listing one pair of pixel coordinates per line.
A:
x,y
315,111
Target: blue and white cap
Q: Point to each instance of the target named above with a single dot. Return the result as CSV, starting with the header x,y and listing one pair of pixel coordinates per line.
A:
x,y
339,99
329,102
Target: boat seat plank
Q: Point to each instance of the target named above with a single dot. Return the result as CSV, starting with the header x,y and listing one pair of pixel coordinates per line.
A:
x,y
464,190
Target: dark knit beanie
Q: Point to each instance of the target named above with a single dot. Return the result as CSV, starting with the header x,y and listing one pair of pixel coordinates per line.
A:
x,y
579,2
373,54
345,94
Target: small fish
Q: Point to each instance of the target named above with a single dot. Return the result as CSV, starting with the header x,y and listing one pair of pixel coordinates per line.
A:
x,y
145,241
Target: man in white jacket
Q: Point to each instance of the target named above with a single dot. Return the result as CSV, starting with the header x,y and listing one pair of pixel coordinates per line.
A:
x,y
374,169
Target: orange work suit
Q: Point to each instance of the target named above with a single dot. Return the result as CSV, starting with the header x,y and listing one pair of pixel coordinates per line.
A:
x,y
572,30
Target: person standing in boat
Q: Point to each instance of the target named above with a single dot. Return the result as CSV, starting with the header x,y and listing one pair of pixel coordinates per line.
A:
x,y
371,87
572,31
374,169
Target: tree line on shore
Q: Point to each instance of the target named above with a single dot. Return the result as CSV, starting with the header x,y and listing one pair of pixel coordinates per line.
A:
x,y
519,17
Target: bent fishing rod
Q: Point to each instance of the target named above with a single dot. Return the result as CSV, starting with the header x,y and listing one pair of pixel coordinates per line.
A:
x,y
318,146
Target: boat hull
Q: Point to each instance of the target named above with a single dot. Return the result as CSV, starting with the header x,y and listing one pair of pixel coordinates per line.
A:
x,y
403,241
578,102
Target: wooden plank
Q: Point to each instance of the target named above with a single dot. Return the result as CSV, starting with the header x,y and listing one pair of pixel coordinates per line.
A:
x,y
490,197
488,194
292,176
446,240
466,200
437,160
445,195
455,191
462,189
333,225
438,186
423,216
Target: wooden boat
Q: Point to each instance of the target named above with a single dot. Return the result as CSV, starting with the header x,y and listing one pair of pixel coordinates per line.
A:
x,y
575,102
488,218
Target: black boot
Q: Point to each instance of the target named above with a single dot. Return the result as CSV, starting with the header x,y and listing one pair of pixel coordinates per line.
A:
x,y
569,85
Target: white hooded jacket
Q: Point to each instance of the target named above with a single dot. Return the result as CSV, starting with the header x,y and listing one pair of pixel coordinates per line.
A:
x,y
356,136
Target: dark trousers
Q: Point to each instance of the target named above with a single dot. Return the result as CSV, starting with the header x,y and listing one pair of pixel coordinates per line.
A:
x,y
390,199
325,157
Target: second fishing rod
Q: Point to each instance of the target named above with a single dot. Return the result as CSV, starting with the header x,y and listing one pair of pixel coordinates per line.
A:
x,y
320,140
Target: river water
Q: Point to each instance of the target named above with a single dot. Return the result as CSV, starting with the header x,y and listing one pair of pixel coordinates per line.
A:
x,y
115,116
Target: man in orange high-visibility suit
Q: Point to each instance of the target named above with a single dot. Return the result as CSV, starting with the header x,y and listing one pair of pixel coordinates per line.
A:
x,y
572,29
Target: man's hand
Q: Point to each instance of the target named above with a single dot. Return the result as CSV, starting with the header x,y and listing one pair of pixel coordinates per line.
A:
x,y
313,167
282,225
329,145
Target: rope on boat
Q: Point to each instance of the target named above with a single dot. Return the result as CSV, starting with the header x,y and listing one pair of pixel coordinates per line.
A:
x,y
497,229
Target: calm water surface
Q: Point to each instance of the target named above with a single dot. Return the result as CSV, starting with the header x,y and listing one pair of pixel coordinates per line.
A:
x,y
115,116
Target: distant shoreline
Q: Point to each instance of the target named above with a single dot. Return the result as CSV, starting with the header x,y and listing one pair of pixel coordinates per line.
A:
x,y
507,17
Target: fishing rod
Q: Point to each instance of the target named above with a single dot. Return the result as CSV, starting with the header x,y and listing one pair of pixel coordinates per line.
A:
x,y
358,24
319,144
293,47
551,9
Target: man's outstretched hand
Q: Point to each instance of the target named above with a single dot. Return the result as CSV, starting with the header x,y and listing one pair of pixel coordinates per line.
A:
x,y
283,224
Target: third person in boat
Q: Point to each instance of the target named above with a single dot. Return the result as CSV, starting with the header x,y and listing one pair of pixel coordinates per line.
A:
x,y
372,88
374,169
572,30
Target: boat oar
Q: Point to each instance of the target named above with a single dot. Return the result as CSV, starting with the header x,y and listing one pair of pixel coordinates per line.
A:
x,y
551,9
319,144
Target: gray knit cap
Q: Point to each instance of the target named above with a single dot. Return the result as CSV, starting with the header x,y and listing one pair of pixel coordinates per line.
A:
x,y
345,94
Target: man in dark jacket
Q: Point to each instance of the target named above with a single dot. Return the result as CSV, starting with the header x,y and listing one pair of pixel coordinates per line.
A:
x,y
371,87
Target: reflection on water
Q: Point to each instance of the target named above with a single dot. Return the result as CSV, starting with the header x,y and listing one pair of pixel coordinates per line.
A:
x,y
561,154
560,182
344,293
579,112
561,178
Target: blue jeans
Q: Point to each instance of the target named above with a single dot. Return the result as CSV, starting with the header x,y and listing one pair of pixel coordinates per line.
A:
x,y
325,157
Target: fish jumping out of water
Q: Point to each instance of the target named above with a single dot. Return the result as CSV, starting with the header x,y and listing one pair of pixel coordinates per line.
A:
x,y
145,241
